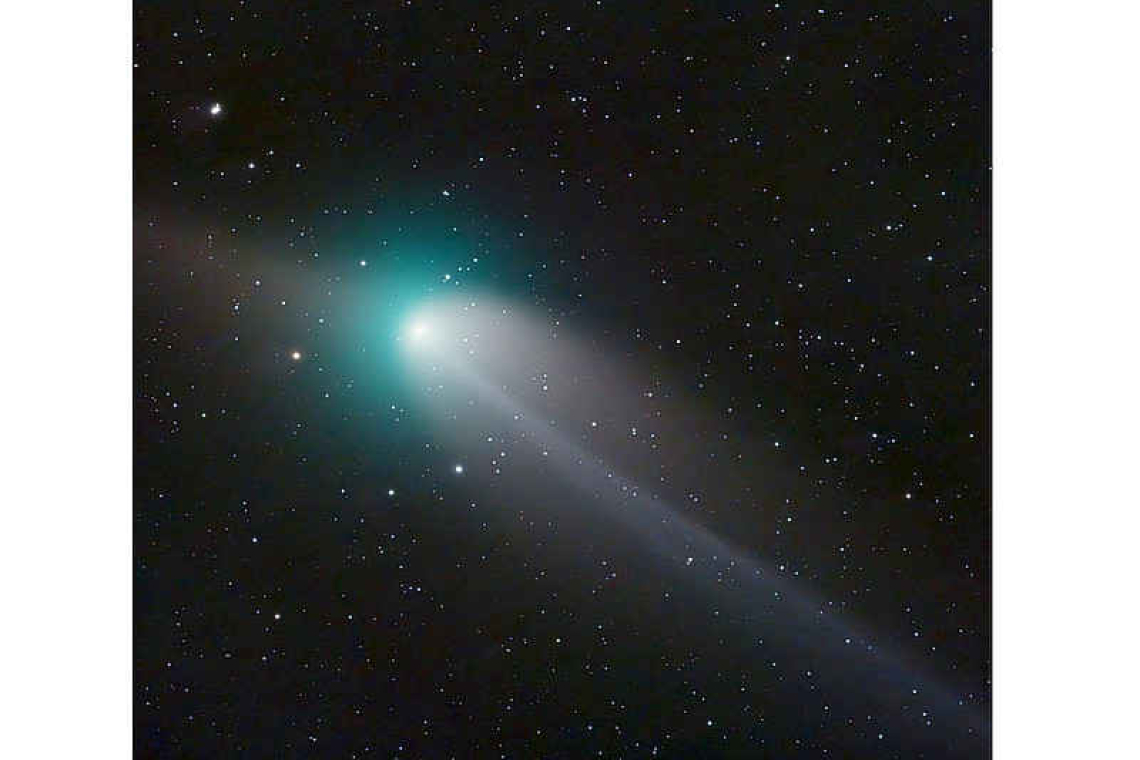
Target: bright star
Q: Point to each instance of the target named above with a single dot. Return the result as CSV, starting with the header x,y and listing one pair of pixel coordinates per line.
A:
x,y
216,109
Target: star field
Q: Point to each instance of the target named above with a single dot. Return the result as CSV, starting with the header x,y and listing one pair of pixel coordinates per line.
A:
x,y
719,268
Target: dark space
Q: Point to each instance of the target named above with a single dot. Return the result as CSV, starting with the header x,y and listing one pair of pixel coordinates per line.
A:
x,y
775,220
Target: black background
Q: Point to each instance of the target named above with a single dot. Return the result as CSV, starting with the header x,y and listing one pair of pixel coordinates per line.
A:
x,y
800,198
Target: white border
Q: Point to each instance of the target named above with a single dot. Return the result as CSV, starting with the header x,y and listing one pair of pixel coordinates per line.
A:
x,y
65,313
1066,379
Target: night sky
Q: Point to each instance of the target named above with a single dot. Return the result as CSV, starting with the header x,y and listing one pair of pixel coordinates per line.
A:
x,y
561,380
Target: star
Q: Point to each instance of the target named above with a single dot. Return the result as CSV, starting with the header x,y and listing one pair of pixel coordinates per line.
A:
x,y
216,109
